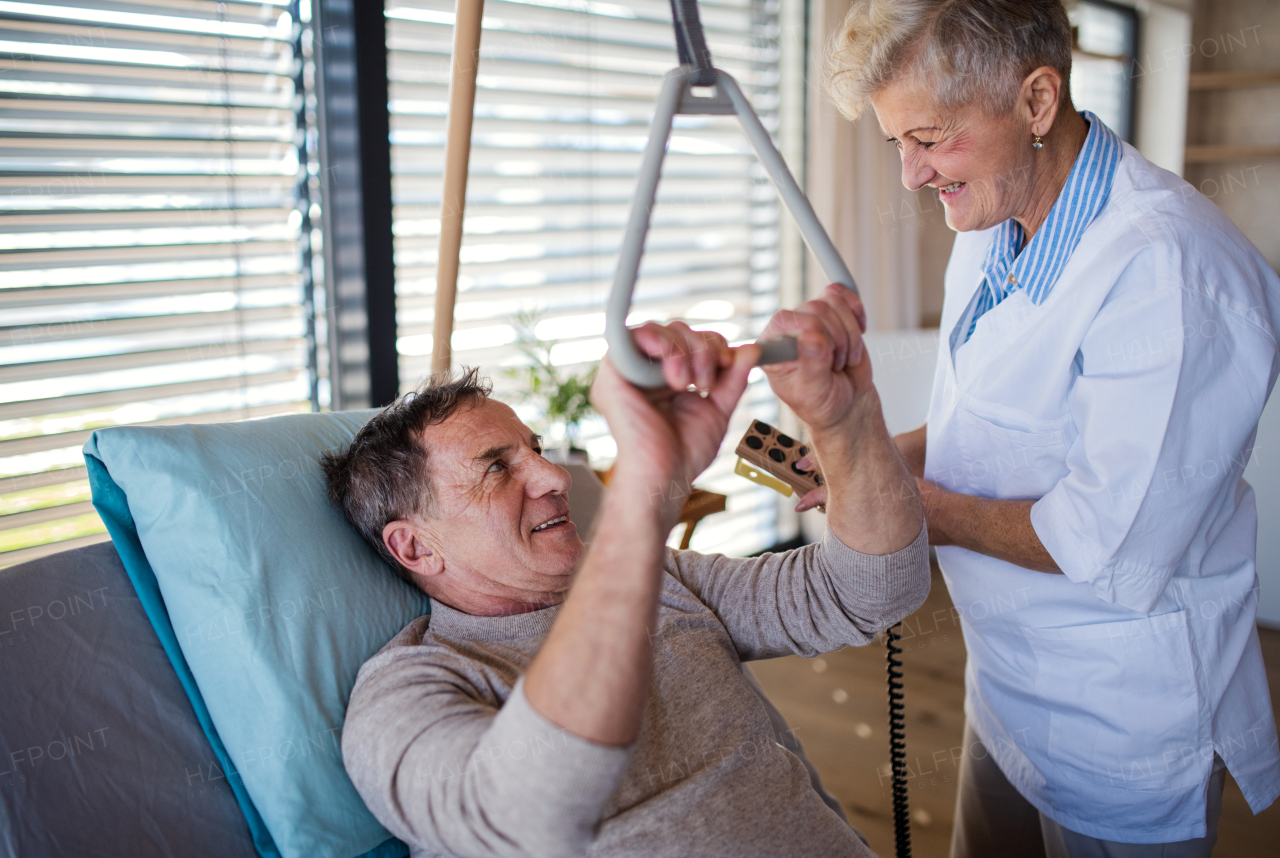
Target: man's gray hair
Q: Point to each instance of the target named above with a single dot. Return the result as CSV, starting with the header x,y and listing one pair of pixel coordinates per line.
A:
x,y
966,51
383,476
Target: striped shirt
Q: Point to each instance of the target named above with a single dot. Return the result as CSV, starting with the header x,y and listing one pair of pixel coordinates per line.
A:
x,y
1036,268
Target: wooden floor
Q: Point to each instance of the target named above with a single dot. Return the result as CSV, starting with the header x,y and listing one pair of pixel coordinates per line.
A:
x,y
837,706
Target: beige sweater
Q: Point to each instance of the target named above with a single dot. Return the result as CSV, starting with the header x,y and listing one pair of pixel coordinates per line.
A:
x,y
450,757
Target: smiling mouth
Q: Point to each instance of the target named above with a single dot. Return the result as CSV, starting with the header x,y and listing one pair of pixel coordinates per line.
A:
x,y
547,525
951,188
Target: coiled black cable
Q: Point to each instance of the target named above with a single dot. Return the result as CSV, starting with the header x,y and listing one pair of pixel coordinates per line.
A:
x,y
898,744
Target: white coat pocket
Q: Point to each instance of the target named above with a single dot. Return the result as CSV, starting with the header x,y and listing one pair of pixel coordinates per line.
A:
x,y
1124,701
1003,462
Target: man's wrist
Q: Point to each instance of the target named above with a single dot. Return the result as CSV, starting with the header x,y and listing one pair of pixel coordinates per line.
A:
x,y
862,411
855,437
658,489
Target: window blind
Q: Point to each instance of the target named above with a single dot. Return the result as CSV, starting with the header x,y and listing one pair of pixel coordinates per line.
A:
x,y
1102,63
155,262
565,94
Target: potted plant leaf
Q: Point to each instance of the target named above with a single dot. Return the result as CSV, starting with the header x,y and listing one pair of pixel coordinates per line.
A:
x,y
564,398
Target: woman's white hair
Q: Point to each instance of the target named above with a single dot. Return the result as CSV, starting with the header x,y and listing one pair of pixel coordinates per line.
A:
x,y
966,51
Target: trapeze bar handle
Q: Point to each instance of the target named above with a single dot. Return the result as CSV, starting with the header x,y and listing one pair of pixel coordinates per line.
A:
x,y
634,365
797,203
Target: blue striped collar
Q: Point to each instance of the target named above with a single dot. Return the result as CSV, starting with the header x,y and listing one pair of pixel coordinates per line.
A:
x,y
1036,268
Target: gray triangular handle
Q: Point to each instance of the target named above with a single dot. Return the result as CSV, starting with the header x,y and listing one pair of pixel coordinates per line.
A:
x,y
674,98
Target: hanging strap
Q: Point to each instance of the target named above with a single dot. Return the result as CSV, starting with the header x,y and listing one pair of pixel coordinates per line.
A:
x,y
691,46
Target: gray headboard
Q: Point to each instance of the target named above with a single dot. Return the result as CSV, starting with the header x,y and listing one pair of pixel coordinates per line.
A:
x,y
100,752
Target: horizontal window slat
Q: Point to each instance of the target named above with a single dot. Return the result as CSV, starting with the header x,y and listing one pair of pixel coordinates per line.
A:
x,y
173,166
25,68
26,482
225,116
107,296
97,92
118,19
196,342
32,335
248,243
169,269
420,310
89,56
142,189
164,357
40,516
25,555
38,408
143,219
230,237
61,194
26,446
54,155
37,444
559,20
422,166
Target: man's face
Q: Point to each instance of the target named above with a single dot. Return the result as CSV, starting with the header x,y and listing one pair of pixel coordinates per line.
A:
x,y
500,521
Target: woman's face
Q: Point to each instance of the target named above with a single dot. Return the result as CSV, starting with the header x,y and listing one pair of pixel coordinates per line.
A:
x,y
980,164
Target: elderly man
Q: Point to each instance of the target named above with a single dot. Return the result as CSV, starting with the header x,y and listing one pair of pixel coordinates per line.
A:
x,y
563,699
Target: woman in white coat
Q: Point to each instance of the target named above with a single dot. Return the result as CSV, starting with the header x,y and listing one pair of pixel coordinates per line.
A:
x,y
1108,343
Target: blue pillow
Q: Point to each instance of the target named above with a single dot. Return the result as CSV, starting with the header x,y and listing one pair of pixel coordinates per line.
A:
x,y
266,602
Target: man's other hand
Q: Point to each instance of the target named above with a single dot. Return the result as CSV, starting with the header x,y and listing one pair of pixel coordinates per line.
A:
x,y
832,371
673,433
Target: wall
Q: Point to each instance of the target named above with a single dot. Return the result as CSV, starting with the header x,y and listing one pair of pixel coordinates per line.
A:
x,y
1160,80
854,183
1239,35
1244,35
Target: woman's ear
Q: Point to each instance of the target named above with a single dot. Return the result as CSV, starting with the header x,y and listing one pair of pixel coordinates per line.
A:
x,y
413,548
1042,93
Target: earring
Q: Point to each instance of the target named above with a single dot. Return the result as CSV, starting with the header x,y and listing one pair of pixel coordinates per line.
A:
x,y
1037,144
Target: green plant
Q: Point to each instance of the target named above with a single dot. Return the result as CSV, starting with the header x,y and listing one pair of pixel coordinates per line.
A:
x,y
565,399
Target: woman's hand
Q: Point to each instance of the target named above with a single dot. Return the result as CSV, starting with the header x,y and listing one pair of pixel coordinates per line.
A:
x,y
932,496
816,498
673,433
832,373
912,445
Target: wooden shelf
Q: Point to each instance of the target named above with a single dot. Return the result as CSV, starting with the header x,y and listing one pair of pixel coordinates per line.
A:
x,y
1232,79
1212,154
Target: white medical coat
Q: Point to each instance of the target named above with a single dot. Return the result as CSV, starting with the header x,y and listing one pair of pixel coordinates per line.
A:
x,y
1127,403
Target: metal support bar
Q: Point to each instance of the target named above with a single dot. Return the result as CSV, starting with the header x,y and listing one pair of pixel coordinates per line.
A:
x,y
676,97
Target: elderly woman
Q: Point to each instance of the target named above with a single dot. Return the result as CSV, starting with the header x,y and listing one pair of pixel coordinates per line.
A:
x,y
1108,343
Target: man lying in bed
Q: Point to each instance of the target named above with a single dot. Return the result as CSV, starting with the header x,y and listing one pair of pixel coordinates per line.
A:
x,y
565,699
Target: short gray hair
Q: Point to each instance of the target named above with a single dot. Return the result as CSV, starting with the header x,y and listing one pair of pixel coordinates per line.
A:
x,y
383,477
968,51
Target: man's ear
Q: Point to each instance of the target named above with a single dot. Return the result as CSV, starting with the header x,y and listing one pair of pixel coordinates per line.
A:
x,y
413,547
